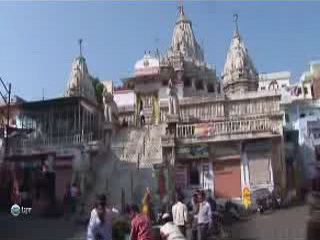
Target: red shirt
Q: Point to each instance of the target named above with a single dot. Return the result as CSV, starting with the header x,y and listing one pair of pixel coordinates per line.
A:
x,y
141,228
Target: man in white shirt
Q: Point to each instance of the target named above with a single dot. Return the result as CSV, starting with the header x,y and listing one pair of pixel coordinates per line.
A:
x,y
100,224
169,231
180,214
204,217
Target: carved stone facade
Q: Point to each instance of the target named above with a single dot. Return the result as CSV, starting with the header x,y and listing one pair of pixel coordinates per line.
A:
x,y
204,124
239,74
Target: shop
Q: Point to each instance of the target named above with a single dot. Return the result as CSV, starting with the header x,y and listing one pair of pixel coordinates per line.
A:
x,y
193,169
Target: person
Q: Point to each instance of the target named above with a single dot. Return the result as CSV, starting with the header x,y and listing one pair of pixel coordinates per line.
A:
x,y
212,202
169,231
67,201
146,204
74,194
194,212
142,118
141,228
204,216
100,223
180,214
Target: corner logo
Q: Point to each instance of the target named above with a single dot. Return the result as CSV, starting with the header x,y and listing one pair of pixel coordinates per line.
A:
x,y
15,210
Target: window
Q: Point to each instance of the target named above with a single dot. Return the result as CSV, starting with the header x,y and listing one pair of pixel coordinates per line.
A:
x,y
305,90
263,88
194,175
218,88
199,85
283,85
210,87
187,82
286,116
302,115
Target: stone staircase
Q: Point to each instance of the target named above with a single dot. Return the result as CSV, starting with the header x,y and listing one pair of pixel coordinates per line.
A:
x,y
148,114
152,145
130,149
129,146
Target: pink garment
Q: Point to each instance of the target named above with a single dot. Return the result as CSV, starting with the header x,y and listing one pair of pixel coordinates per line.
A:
x,y
141,228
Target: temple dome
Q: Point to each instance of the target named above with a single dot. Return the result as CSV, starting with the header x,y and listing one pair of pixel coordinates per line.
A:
x,y
183,40
147,65
80,83
239,73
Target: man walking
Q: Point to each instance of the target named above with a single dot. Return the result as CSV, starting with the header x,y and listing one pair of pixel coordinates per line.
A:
x,y
141,228
180,214
100,224
204,217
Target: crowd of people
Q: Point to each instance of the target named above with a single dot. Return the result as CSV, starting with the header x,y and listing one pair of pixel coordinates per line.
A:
x,y
197,215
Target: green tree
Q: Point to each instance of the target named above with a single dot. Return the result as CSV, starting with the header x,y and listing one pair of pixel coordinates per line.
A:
x,y
98,87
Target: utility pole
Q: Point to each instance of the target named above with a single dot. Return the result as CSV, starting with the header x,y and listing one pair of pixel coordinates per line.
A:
x,y
7,101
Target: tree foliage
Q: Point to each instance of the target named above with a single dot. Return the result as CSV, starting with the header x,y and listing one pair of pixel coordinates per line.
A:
x,y
98,87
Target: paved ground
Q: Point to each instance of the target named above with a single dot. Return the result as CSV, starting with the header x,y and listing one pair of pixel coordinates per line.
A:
x,y
32,228
281,225
287,224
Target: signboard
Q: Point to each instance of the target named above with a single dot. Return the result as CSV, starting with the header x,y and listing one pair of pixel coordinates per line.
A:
x,y
246,197
193,152
204,130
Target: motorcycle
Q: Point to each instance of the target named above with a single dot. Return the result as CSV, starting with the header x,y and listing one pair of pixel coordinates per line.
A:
x,y
218,229
267,201
264,200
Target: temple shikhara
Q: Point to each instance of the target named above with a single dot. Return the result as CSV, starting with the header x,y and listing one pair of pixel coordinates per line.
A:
x,y
173,125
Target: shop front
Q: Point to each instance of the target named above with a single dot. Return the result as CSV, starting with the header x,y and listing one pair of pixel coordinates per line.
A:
x,y
226,170
193,169
33,179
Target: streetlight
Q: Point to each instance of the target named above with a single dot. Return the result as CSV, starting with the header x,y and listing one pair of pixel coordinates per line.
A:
x,y
7,101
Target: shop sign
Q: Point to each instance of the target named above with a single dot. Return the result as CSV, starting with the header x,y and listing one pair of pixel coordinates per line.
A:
x,y
204,130
193,152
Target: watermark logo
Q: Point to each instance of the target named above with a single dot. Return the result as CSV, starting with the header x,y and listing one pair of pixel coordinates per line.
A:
x,y
15,210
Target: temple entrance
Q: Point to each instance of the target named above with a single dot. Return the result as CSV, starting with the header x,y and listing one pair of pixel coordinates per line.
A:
x,y
148,108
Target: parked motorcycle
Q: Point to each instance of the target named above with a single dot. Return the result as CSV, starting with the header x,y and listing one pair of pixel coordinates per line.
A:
x,y
217,229
264,200
267,201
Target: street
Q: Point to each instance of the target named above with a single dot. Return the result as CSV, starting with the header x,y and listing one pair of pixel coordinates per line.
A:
x,y
287,224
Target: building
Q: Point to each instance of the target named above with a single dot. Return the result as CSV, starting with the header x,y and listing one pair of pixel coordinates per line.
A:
x,y
56,135
274,81
312,77
223,136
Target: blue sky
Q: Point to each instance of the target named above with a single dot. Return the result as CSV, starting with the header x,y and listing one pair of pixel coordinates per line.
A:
x,y
38,40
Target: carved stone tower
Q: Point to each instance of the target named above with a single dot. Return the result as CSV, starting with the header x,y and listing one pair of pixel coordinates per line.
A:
x,y
239,74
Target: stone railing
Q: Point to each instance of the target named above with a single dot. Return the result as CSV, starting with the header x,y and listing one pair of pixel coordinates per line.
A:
x,y
212,129
208,108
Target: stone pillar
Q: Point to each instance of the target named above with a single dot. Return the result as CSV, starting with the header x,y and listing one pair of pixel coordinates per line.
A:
x,y
107,134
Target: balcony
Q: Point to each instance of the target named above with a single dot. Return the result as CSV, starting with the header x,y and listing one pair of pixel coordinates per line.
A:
x,y
37,144
229,130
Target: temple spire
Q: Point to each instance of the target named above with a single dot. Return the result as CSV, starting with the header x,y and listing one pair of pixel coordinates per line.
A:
x,y
180,7
80,46
235,19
